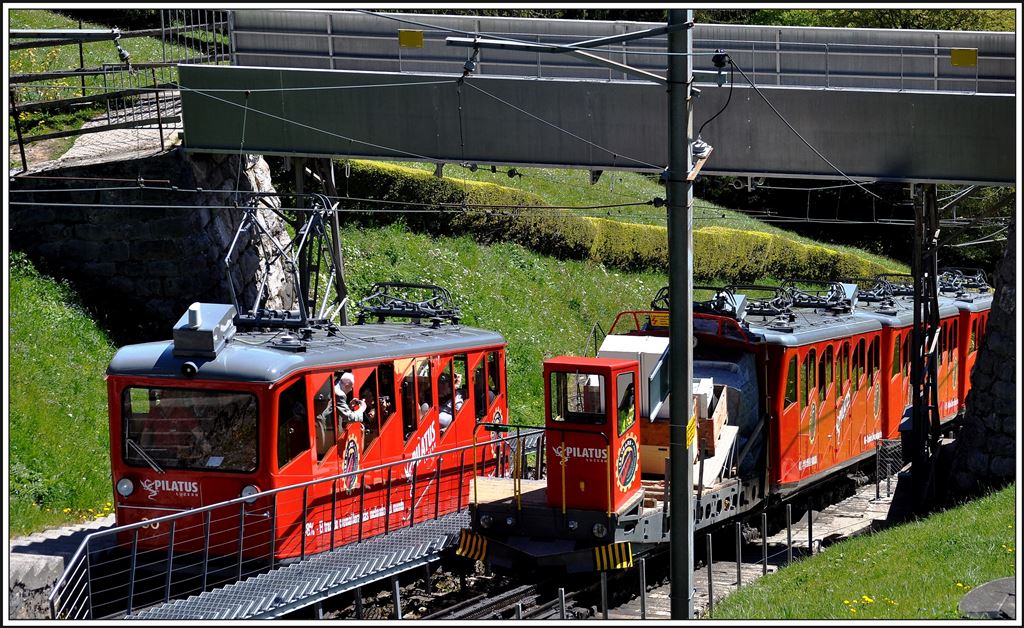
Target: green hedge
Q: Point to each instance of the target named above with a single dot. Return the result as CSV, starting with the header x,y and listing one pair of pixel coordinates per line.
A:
x,y
719,253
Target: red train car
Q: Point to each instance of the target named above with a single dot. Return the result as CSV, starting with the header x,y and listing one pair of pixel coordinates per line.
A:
x,y
219,413
970,292
819,378
890,301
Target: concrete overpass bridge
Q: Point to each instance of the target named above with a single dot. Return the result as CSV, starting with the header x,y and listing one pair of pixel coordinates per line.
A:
x,y
883,105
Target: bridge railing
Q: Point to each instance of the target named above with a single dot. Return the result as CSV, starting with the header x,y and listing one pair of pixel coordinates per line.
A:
x,y
770,56
126,568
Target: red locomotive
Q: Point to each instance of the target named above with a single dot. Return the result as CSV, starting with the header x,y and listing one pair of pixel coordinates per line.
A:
x,y
221,412
792,385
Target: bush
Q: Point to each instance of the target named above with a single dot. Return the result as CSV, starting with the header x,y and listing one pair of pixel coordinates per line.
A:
x,y
719,253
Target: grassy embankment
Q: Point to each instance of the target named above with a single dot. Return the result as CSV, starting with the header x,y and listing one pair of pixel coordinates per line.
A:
x,y
59,461
916,571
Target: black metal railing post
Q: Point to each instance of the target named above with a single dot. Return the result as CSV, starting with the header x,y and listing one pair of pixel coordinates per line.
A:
x,y
241,537
305,517
412,506
387,504
17,129
789,533
170,562
206,548
88,576
462,466
362,502
334,509
711,579
437,488
131,570
273,529
764,543
159,118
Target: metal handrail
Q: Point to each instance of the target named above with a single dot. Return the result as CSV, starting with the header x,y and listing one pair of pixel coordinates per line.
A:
x,y
77,557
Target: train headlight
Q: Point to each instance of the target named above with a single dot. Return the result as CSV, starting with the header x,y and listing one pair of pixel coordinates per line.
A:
x,y
125,487
573,525
511,521
600,530
250,491
486,521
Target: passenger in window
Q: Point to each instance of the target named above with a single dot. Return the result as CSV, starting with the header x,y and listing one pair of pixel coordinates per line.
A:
x,y
348,410
450,403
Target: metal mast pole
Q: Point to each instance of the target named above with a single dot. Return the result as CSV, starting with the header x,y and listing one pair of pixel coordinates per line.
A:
x,y
679,197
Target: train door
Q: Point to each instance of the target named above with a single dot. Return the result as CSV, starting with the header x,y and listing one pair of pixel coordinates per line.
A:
x,y
488,392
378,440
321,516
419,429
827,407
872,426
809,409
969,351
949,370
294,463
894,387
788,431
844,402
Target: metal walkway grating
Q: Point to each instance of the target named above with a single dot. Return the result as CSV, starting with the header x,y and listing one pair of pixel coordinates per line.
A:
x,y
319,577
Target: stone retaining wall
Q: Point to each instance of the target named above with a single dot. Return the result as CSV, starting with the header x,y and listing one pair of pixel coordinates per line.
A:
x,y
987,445
138,268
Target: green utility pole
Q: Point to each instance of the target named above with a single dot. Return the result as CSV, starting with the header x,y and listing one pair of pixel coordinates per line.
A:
x,y
679,197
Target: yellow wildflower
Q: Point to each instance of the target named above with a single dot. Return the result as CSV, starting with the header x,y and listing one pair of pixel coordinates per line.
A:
x,y
853,610
67,510
866,599
847,602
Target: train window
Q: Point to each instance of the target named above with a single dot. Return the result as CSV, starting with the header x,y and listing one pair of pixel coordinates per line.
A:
x,y
175,428
943,331
377,409
844,361
896,357
791,382
449,399
461,367
954,330
829,359
858,364
323,410
822,381
626,401
906,354
292,423
424,387
409,408
973,346
480,390
493,377
803,383
812,362
577,398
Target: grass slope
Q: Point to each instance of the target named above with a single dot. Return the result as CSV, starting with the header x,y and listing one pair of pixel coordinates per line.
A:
x,y
572,188
59,461
916,571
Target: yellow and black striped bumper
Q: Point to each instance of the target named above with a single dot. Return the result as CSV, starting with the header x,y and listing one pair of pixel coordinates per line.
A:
x,y
613,556
471,545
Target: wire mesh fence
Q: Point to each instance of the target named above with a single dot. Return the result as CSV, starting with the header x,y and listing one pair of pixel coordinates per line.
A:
x,y
120,94
888,462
